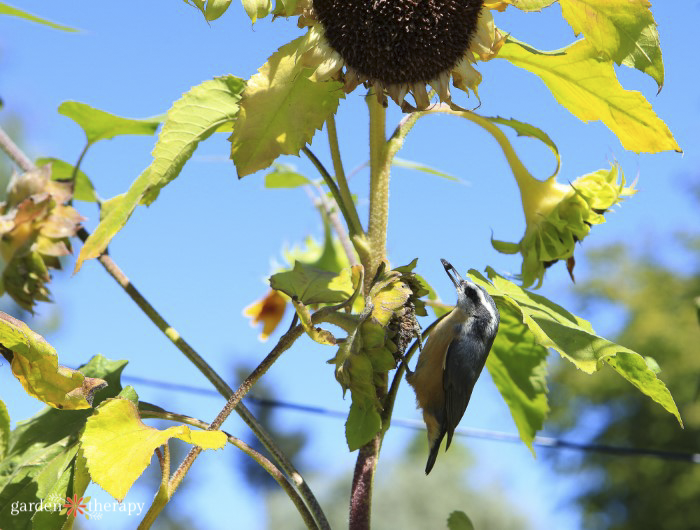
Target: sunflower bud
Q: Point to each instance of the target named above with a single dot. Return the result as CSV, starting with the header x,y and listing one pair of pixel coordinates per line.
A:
x,y
559,216
36,225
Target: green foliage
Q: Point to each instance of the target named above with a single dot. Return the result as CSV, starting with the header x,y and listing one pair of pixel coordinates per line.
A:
x,y
268,124
554,327
100,125
43,455
118,446
518,367
192,119
310,285
4,428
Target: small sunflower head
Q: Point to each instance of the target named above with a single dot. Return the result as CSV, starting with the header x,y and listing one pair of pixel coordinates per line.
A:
x,y
559,216
400,46
36,225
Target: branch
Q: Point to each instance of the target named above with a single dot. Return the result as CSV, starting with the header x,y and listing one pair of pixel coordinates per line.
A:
x,y
7,145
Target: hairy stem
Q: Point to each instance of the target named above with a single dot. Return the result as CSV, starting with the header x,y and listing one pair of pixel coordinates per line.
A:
x,y
354,222
378,187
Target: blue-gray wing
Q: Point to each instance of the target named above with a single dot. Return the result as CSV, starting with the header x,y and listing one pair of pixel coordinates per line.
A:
x,y
463,364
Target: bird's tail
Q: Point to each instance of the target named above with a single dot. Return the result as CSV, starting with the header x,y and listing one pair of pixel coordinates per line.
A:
x,y
434,450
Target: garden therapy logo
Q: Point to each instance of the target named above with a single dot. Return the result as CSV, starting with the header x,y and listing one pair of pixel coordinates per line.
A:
x,y
75,506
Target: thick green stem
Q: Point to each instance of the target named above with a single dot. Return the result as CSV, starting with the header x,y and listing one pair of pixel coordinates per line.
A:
x,y
378,187
354,223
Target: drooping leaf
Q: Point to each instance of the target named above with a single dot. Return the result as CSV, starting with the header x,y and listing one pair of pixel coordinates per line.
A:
x,y
6,9
42,463
4,429
211,9
623,30
574,339
257,8
362,425
586,85
525,129
35,364
518,367
118,446
458,520
191,119
83,190
311,285
100,125
268,124
284,176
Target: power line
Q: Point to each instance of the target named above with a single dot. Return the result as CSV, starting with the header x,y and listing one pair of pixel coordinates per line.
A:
x,y
483,434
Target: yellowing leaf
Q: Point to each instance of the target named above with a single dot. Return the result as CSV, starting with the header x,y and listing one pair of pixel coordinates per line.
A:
x,y
587,86
280,110
118,446
257,9
623,30
4,429
35,364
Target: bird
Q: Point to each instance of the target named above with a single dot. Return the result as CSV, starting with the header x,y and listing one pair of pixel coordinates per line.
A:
x,y
452,360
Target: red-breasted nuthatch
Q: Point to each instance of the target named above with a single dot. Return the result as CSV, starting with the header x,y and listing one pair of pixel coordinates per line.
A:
x,y
452,359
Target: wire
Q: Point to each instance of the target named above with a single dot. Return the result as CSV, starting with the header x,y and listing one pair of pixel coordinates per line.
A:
x,y
483,434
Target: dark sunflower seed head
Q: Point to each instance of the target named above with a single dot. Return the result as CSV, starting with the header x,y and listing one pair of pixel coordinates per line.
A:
x,y
399,41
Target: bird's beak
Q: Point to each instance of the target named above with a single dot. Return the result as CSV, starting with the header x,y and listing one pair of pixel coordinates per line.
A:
x,y
450,270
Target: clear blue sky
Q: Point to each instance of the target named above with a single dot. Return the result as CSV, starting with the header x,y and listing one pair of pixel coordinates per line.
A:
x,y
201,252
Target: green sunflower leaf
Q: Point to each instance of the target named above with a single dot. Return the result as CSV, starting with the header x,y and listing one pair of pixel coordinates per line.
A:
x,y
574,339
100,125
586,85
118,446
518,367
35,364
6,9
83,189
191,119
268,124
310,285
624,30
362,425
43,463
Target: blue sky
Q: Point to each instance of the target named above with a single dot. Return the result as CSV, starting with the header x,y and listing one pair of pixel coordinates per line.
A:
x,y
202,251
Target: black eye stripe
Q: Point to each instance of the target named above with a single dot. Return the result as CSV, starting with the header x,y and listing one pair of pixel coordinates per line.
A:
x,y
472,294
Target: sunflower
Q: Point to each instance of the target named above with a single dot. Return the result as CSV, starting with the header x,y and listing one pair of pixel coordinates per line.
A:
x,y
398,47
